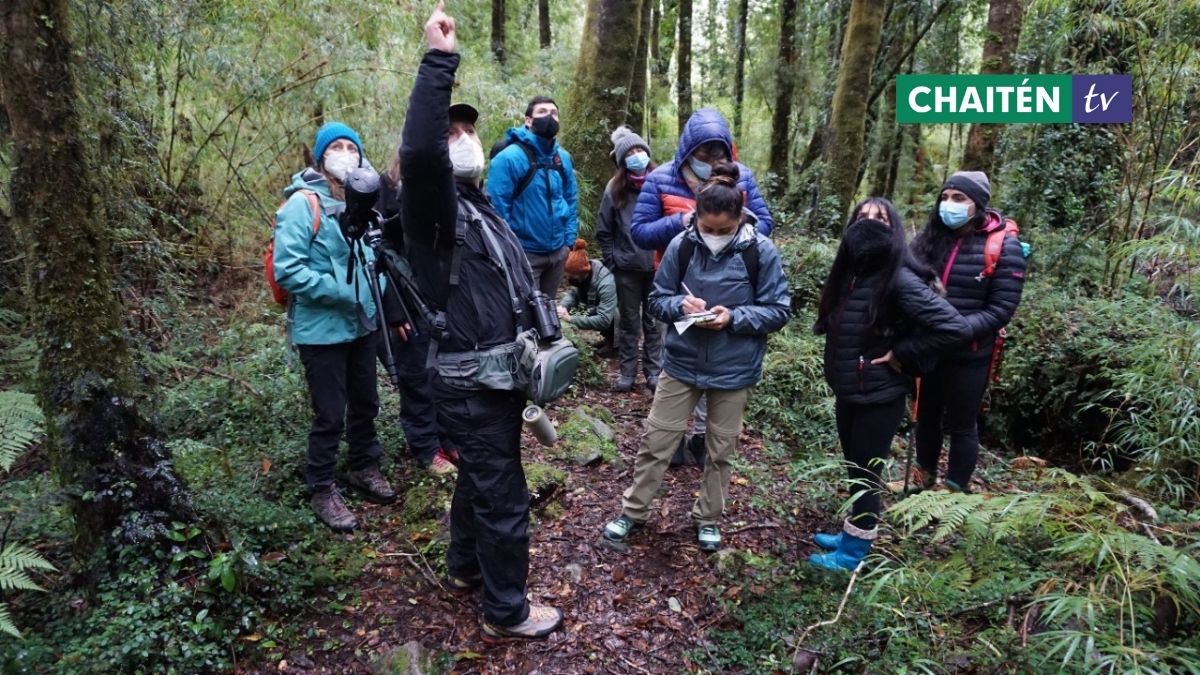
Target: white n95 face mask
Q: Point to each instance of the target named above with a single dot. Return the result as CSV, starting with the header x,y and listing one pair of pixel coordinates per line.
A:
x,y
717,243
466,156
339,164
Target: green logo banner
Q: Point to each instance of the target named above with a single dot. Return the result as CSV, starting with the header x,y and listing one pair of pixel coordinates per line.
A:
x,y
987,99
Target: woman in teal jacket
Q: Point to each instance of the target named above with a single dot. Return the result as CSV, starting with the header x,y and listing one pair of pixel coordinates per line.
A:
x,y
331,321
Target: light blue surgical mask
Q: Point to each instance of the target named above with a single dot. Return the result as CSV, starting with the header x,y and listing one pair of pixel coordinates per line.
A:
x,y
954,214
637,162
702,169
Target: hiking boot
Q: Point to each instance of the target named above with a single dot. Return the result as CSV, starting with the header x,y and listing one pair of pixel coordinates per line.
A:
x,y
624,383
372,484
955,487
463,584
681,454
853,546
709,537
918,479
652,383
616,533
829,542
441,464
330,509
542,621
697,447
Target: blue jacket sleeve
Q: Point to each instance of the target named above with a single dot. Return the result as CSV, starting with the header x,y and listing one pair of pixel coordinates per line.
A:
x,y
758,205
650,229
293,269
571,194
666,303
772,305
502,181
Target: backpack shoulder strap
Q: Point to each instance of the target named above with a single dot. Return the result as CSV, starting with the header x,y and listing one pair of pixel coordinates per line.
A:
x,y
750,260
314,203
527,177
994,245
684,253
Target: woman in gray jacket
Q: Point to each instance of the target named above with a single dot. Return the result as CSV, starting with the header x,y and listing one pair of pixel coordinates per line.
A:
x,y
632,266
721,283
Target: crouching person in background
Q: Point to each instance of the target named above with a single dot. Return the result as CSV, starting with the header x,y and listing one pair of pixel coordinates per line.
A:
x,y
727,278
882,322
337,349
592,290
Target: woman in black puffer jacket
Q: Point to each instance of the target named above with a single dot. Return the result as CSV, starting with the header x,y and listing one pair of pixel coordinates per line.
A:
x,y
881,321
953,244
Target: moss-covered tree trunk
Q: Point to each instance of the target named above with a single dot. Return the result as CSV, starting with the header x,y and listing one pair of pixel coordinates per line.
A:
x,y
499,39
599,98
113,465
739,65
999,45
637,83
683,78
544,24
848,119
785,88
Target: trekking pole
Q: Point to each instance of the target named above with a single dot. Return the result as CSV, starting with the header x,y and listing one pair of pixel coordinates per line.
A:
x,y
912,439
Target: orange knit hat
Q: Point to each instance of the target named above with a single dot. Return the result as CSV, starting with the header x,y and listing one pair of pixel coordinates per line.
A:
x,y
577,260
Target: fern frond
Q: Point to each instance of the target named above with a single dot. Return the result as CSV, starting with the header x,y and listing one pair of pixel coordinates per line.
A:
x,y
20,425
6,622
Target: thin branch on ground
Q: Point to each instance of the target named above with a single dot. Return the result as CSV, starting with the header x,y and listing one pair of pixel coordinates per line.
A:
x,y
827,622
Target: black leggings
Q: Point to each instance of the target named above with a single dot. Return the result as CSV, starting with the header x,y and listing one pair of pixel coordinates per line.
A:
x,y
949,404
866,431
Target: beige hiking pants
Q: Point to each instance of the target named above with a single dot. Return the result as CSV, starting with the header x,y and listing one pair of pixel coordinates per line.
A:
x,y
673,403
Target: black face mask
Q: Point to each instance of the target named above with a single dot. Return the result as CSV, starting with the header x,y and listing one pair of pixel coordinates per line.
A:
x,y
870,244
545,126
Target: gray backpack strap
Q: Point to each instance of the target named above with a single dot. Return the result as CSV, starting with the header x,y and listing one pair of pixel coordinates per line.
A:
x,y
497,252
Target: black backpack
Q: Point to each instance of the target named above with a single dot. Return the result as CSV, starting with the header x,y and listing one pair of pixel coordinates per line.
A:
x,y
535,163
749,258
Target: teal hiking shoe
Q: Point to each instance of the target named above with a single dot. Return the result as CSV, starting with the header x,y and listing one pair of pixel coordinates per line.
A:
x,y
709,537
616,533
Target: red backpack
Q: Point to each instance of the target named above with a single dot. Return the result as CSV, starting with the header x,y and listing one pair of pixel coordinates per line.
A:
x,y
277,292
995,245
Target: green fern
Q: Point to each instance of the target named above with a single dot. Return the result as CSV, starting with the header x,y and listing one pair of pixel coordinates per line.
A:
x,y
20,425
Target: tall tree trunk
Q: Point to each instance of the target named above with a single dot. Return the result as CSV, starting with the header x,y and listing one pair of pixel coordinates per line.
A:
x,y
544,24
781,117
662,46
739,66
683,78
115,470
849,115
599,97
498,37
637,84
999,45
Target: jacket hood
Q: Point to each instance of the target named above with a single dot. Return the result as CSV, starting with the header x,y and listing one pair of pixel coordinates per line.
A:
x,y
308,179
706,124
523,135
992,221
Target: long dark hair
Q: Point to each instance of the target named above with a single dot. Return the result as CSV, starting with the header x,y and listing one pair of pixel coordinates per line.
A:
x,y
622,187
885,266
932,245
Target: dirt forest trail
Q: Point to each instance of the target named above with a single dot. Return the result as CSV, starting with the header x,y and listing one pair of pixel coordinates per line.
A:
x,y
646,611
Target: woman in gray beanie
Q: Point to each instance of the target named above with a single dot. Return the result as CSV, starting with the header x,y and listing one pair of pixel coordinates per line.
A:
x,y
632,266
985,287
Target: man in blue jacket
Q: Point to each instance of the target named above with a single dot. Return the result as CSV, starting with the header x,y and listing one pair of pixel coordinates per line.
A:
x,y
531,182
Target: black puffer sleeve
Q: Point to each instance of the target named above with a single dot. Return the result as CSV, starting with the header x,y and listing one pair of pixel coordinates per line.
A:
x,y
939,325
1003,293
430,203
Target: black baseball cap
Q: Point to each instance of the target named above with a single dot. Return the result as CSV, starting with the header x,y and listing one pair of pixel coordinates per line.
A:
x,y
462,112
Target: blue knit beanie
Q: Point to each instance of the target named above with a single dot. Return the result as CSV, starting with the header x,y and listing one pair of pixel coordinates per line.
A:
x,y
329,133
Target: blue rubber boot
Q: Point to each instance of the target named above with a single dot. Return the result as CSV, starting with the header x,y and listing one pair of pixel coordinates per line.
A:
x,y
829,542
854,545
